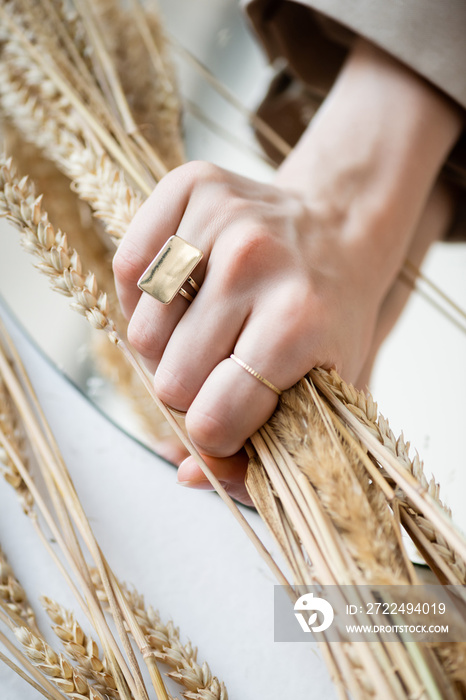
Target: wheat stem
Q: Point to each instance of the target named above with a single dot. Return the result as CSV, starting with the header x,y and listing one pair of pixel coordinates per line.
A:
x,y
164,642
52,691
89,119
27,678
416,492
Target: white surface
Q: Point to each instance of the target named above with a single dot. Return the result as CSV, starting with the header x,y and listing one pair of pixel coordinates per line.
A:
x,y
419,380
182,549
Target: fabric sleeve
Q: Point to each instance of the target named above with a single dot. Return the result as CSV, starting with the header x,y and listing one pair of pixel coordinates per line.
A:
x,y
429,36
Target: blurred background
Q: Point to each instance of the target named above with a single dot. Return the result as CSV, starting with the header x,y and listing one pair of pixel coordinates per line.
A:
x,y
420,376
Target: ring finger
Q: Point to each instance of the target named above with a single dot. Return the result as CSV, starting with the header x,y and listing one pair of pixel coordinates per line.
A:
x,y
232,403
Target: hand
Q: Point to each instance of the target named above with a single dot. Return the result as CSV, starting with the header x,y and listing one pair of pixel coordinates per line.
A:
x,y
293,273
280,287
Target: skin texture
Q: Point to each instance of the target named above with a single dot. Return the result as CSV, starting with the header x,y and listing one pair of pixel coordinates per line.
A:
x,y
298,273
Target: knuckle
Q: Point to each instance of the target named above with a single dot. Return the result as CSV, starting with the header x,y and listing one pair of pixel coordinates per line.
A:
x,y
197,170
142,337
126,267
171,388
253,243
208,432
298,313
249,254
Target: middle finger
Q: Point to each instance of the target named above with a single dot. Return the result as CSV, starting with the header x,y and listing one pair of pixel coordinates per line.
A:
x,y
202,338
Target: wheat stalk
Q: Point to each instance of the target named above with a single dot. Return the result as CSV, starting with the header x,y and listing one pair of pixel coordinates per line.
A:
x,y
13,595
9,425
137,46
301,442
57,478
120,146
83,649
164,640
59,261
85,652
365,410
93,175
369,535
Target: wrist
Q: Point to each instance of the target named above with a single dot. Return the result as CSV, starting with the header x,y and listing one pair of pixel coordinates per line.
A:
x,y
372,154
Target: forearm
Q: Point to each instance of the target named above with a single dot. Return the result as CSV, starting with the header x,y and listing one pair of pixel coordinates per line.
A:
x,y
373,152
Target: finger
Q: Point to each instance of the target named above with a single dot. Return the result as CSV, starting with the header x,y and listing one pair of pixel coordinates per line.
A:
x,y
231,473
171,449
204,337
232,404
157,220
151,325
152,322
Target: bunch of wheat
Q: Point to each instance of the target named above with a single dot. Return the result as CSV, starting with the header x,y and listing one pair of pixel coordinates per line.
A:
x,y
326,473
45,134
84,669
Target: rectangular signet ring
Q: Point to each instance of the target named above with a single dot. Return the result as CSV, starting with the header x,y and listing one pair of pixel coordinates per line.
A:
x,y
170,269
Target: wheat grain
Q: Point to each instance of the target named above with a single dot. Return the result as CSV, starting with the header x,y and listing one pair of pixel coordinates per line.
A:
x,y
62,264
83,231
71,23
365,409
10,427
63,205
44,117
14,595
164,640
81,648
65,676
369,536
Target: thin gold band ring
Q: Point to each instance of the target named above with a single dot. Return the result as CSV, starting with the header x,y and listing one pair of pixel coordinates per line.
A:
x,y
193,284
186,294
192,293
256,374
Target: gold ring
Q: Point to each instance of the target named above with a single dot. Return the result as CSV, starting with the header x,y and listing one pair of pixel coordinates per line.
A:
x,y
170,269
256,374
186,294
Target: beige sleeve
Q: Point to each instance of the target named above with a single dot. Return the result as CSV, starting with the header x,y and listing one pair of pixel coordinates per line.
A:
x,y
313,35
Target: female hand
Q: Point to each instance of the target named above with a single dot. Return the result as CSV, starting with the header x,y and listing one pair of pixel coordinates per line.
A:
x,y
293,273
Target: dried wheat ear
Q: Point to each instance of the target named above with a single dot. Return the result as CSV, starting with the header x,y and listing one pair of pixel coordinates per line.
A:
x,y
87,668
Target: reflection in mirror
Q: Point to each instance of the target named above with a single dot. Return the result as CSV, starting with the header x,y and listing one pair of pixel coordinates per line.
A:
x,y
212,130
421,371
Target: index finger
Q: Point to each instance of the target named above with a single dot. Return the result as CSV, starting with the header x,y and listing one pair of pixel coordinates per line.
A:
x,y
157,220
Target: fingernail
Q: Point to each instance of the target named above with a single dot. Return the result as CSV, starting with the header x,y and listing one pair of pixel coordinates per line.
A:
x,y
199,485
